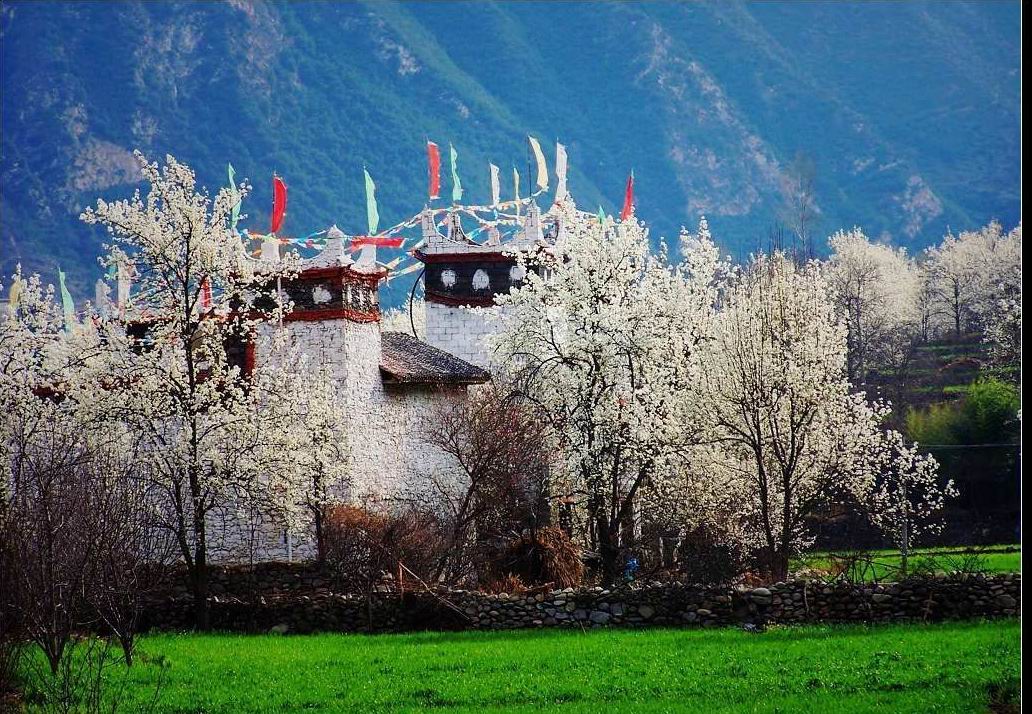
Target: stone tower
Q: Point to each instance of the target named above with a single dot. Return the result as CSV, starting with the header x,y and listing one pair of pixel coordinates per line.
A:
x,y
462,275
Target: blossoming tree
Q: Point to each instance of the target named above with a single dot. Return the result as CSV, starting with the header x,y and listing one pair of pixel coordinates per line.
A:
x,y
875,289
219,434
788,436
603,337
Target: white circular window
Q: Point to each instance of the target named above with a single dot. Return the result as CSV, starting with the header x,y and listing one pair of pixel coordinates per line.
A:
x,y
448,278
320,295
481,281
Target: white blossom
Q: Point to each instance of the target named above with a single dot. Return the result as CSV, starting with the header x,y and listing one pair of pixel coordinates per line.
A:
x,y
875,289
604,337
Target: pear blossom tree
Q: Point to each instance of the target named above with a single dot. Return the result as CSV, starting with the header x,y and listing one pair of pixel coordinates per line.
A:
x,y
999,302
957,270
875,289
931,319
787,435
322,447
603,337
907,495
44,354
75,527
216,438
410,316
974,278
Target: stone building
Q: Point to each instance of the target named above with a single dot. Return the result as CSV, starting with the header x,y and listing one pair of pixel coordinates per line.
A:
x,y
462,277
390,381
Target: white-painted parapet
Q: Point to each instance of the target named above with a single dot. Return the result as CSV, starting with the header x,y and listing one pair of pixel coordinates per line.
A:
x,y
462,277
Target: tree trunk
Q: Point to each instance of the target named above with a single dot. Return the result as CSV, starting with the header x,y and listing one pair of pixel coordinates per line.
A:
x,y
904,551
127,642
320,542
609,552
779,565
199,580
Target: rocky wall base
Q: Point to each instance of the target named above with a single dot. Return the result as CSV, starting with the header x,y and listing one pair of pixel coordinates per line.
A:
x,y
304,605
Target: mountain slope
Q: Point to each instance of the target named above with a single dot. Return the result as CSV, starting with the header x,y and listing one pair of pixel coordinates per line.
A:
x,y
909,112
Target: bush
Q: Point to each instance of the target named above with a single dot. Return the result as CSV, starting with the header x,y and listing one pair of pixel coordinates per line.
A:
x,y
990,411
366,549
12,629
544,556
511,584
706,556
986,414
976,441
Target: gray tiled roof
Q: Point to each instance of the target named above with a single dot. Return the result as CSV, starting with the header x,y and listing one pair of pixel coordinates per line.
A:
x,y
407,360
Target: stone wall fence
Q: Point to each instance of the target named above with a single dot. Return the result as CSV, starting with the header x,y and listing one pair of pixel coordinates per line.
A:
x,y
299,599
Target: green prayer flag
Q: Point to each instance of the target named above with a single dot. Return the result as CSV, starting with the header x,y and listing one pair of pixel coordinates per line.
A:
x,y
456,192
370,197
66,302
601,216
234,215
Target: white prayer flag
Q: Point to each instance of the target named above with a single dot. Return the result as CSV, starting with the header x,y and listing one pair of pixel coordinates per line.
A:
x,y
560,172
496,186
123,283
516,188
539,157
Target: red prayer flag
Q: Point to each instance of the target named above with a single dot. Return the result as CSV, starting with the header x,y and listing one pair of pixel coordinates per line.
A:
x,y
433,155
359,241
279,203
628,201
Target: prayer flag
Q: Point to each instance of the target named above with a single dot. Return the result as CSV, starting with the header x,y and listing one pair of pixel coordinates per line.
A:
x,y
560,172
279,203
407,269
496,186
66,302
361,241
628,201
433,155
234,214
372,214
14,297
539,157
123,286
456,192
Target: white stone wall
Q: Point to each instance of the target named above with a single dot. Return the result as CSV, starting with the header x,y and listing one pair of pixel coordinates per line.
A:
x,y
460,331
387,455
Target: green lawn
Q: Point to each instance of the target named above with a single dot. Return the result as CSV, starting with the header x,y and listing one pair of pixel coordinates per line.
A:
x,y
956,667
883,565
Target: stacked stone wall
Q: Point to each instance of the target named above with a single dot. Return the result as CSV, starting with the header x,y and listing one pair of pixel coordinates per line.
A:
x,y
300,599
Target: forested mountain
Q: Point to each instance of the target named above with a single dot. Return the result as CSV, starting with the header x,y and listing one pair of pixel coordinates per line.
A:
x,y
906,114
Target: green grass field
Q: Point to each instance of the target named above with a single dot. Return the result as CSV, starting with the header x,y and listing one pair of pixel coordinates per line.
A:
x,y
883,565
955,667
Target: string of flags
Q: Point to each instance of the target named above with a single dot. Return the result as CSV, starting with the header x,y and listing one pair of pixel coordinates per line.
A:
x,y
488,217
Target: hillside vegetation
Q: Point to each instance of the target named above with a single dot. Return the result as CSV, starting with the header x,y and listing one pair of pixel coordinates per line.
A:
x,y
709,104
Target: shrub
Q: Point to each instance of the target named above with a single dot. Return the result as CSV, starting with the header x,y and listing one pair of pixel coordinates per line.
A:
x,y
706,556
990,410
366,548
544,556
508,583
